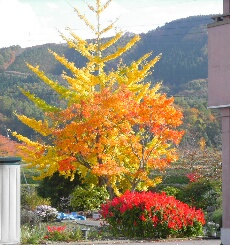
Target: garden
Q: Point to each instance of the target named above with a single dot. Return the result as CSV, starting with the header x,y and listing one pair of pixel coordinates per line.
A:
x,y
113,144
189,210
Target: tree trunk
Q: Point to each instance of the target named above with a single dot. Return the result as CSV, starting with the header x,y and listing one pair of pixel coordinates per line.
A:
x,y
103,181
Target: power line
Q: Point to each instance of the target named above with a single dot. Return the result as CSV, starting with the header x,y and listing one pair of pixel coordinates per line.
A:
x,y
146,34
181,20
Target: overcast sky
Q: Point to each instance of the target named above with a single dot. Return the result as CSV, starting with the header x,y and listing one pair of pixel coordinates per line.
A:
x,y
33,22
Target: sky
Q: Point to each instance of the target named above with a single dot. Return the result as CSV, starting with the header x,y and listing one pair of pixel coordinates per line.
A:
x,y
34,22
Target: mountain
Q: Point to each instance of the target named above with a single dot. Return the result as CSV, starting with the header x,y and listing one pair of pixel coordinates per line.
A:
x,y
182,68
182,42
37,55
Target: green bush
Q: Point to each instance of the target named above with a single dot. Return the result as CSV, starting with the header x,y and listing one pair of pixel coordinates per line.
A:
x,y
216,217
201,194
88,198
63,188
175,179
170,191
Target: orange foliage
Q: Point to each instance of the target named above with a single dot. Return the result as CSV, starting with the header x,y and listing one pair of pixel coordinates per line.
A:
x,y
112,134
7,147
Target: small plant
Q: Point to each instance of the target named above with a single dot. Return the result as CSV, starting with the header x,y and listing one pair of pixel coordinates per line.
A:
x,y
63,233
211,228
100,233
216,217
55,233
29,217
46,213
152,215
193,176
32,234
74,233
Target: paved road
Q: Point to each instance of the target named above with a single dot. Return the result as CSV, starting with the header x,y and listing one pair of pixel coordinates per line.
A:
x,y
175,242
128,242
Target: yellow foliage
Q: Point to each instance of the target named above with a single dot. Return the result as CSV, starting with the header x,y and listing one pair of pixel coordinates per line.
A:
x,y
39,126
202,143
115,126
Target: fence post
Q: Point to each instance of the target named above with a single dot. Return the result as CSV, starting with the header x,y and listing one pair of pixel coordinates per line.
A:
x,y
10,200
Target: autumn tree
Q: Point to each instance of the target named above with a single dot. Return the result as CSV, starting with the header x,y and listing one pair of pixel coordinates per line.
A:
x,y
115,127
8,147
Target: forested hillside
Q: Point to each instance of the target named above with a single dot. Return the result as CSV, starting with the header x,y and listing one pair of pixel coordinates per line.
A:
x,y
182,69
8,56
183,44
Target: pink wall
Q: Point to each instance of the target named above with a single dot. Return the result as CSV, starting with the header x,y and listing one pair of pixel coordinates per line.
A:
x,y
219,96
219,63
226,6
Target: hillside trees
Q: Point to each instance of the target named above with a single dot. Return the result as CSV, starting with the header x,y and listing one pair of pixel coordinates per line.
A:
x,y
114,128
12,100
36,54
7,56
185,53
201,162
8,147
199,121
202,167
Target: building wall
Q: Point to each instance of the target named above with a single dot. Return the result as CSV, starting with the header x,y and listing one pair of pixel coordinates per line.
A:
x,y
219,63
